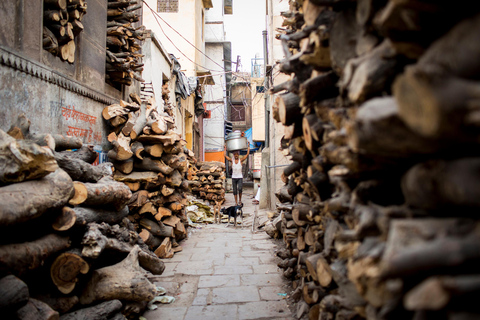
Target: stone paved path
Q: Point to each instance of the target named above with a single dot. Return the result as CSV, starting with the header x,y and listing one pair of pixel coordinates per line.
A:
x,y
224,273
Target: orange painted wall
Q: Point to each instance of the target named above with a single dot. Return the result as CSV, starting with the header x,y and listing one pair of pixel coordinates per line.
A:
x,y
214,156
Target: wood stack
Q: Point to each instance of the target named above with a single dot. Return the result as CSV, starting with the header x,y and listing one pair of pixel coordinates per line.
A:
x,y
67,247
124,63
151,159
378,208
62,23
207,180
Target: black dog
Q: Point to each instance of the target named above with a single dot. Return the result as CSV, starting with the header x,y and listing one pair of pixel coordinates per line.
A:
x,y
233,211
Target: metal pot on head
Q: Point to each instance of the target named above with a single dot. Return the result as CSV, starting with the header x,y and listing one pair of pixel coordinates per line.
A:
x,y
236,141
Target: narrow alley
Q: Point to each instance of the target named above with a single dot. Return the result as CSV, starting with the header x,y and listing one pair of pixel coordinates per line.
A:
x,y
225,273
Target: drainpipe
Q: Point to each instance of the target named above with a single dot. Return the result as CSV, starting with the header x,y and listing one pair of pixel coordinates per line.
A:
x,y
265,83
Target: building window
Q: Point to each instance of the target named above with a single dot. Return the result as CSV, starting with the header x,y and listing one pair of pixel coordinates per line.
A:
x,y
238,113
167,5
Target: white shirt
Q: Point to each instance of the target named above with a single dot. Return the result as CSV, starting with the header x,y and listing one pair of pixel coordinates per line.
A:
x,y
237,169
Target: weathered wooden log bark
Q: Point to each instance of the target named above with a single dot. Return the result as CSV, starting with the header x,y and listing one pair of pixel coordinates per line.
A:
x,y
435,105
368,76
101,311
157,228
85,215
30,199
148,164
61,142
124,281
80,170
107,192
13,293
319,88
19,258
85,153
36,309
23,160
288,108
377,130
440,184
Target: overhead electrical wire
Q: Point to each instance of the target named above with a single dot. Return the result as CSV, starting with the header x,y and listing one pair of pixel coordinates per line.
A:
x,y
155,14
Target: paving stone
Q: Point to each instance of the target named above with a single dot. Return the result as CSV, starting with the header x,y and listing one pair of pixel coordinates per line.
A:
x,y
195,268
179,257
212,312
219,281
266,269
166,313
169,269
264,309
261,280
203,297
241,261
219,270
235,294
271,293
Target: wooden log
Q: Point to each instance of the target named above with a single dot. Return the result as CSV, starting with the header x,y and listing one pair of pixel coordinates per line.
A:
x,y
85,153
22,160
30,199
175,179
343,39
80,194
150,240
319,88
167,139
288,108
138,199
438,254
155,150
86,215
312,131
149,164
125,167
164,251
157,228
444,289
161,213
380,116
122,147
101,311
65,269
441,184
107,192
80,170
124,280
13,293
435,105
36,309
64,219
368,76
137,149
19,258
147,260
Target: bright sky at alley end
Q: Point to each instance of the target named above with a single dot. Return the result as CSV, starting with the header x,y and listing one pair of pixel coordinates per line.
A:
x,y
244,30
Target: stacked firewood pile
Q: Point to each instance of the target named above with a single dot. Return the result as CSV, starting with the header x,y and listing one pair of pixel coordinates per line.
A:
x,y
151,159
124,63
207,180
62,22
379,205
66,245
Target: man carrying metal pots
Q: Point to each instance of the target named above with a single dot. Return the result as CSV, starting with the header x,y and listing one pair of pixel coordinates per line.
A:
x,y
237,175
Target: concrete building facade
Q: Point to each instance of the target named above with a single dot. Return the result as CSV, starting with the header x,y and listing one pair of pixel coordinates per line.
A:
x,y
57,96
218,52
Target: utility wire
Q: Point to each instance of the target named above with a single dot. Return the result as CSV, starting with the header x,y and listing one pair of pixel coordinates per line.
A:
x,y
157,15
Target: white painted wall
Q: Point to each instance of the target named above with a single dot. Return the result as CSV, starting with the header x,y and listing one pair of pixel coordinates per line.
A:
x,y
276,129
